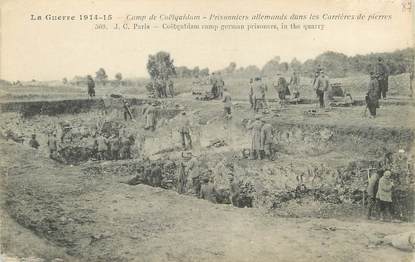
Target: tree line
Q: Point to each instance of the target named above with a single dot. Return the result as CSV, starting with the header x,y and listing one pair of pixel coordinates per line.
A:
x,y
335,64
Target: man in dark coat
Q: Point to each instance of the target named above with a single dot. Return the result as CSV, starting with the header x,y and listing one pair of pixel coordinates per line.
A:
x,y
372,96
321,86
184,131
282,88
91,86
127,111
255,128
382,72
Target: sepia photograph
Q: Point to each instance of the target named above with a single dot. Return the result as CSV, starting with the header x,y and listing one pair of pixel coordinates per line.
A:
x,y
181,130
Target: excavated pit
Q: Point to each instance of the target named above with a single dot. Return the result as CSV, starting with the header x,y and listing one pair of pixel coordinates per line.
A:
x,y
319,169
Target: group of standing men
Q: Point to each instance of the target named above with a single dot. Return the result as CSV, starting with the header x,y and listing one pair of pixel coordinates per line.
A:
x,y
217,86
257,90
262,139
163,88
113,147
379,190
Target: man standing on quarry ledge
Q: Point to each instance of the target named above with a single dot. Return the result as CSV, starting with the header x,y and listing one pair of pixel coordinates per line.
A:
x,y
372,96
91,86
382,72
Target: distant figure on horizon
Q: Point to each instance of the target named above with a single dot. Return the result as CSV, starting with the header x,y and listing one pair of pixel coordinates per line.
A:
x,y
91,86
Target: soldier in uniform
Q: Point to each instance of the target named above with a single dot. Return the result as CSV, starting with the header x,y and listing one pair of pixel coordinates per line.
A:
x,y
184,131
382,72
91,86
255,127
322,86
372,96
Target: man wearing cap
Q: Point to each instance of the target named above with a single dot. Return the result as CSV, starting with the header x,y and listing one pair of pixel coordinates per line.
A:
x,y
33,142
382,72
266,140
384,194
372,96
322,86
184,131
255,127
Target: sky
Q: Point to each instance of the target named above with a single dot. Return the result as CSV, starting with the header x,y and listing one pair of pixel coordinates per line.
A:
x,y
50,50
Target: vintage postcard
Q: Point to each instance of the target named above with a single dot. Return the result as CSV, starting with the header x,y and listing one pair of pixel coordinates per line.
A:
x,y
155,130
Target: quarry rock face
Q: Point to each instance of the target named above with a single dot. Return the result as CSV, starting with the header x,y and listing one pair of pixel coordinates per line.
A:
x,y
321,164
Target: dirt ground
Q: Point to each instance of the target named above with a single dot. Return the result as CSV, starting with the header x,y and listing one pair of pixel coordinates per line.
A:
x,y
103,220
